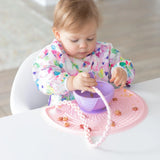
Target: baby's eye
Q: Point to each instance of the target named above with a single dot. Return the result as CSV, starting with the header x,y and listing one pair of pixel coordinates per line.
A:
x,y
74,40
90,39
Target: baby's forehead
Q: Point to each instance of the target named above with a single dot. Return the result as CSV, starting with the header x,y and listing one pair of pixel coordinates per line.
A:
x,y
87,30
79,34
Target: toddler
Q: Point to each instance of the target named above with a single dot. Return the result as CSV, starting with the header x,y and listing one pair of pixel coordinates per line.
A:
x,y
64,65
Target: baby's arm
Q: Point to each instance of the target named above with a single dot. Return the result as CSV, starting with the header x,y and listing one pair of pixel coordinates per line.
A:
x,y
48,74
122,70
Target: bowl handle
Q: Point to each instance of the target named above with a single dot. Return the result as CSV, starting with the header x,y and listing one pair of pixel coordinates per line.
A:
x,y
91,74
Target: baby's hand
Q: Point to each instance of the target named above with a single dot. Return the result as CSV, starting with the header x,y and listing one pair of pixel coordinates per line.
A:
x,y
119,77
83,82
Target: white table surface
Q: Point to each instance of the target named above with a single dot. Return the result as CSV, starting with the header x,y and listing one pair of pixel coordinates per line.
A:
x,y
27,136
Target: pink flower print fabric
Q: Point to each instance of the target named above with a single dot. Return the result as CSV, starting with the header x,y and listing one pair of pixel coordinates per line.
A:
x,y
53,66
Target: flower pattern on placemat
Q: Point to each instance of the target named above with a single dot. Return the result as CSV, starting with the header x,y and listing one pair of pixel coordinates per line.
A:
x,y
127,110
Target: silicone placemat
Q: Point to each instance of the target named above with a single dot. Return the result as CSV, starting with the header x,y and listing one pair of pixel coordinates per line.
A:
x,y
127,110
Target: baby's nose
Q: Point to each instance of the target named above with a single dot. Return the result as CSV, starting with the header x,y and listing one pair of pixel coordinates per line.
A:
x,y
83,45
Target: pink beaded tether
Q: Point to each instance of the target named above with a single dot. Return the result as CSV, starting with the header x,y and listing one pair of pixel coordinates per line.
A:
x,y
84,122
67,115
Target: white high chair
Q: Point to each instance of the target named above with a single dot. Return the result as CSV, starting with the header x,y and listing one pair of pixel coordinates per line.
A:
x,y
24,93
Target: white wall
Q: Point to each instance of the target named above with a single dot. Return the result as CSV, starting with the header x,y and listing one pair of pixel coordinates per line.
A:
x,y
46,2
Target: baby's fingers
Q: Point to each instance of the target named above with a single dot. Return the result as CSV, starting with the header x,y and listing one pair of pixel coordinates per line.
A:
x,y
122,85
113,78
117,81
90,83
114,75
89,89
120,82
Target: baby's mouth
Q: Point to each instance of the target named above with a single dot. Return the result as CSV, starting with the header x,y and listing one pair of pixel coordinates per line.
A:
x,y
83,52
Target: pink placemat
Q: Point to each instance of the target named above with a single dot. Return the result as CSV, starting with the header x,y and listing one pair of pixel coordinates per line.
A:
x,y
127,110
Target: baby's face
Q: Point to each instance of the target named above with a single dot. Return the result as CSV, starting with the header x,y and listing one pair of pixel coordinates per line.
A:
x,y
81,43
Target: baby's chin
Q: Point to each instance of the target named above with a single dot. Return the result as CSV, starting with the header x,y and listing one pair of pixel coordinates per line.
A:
x,y
81,55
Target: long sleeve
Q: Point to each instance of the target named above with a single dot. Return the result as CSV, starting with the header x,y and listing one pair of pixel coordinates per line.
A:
x,y
117,61
48,72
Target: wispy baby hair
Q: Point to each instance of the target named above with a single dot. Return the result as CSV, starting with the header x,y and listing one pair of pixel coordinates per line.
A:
x,y
73,14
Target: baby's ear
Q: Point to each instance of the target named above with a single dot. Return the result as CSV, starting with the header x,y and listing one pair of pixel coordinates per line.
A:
x,y
56,33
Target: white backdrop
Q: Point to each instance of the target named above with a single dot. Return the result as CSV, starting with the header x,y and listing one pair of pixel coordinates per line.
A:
x,y
46,2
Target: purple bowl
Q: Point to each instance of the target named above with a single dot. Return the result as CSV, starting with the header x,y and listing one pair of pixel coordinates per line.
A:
x,y
92,102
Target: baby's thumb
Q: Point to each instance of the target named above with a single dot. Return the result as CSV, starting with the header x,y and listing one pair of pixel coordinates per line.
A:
x,y
113,76
85,74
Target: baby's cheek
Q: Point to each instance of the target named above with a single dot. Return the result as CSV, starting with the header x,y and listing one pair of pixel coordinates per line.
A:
x,y
70,49
93,45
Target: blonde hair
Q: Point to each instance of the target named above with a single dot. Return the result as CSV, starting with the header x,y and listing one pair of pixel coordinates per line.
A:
x,y
73,14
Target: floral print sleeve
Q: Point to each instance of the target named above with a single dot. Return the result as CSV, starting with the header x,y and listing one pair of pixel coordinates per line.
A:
x,y
48,72
117,61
